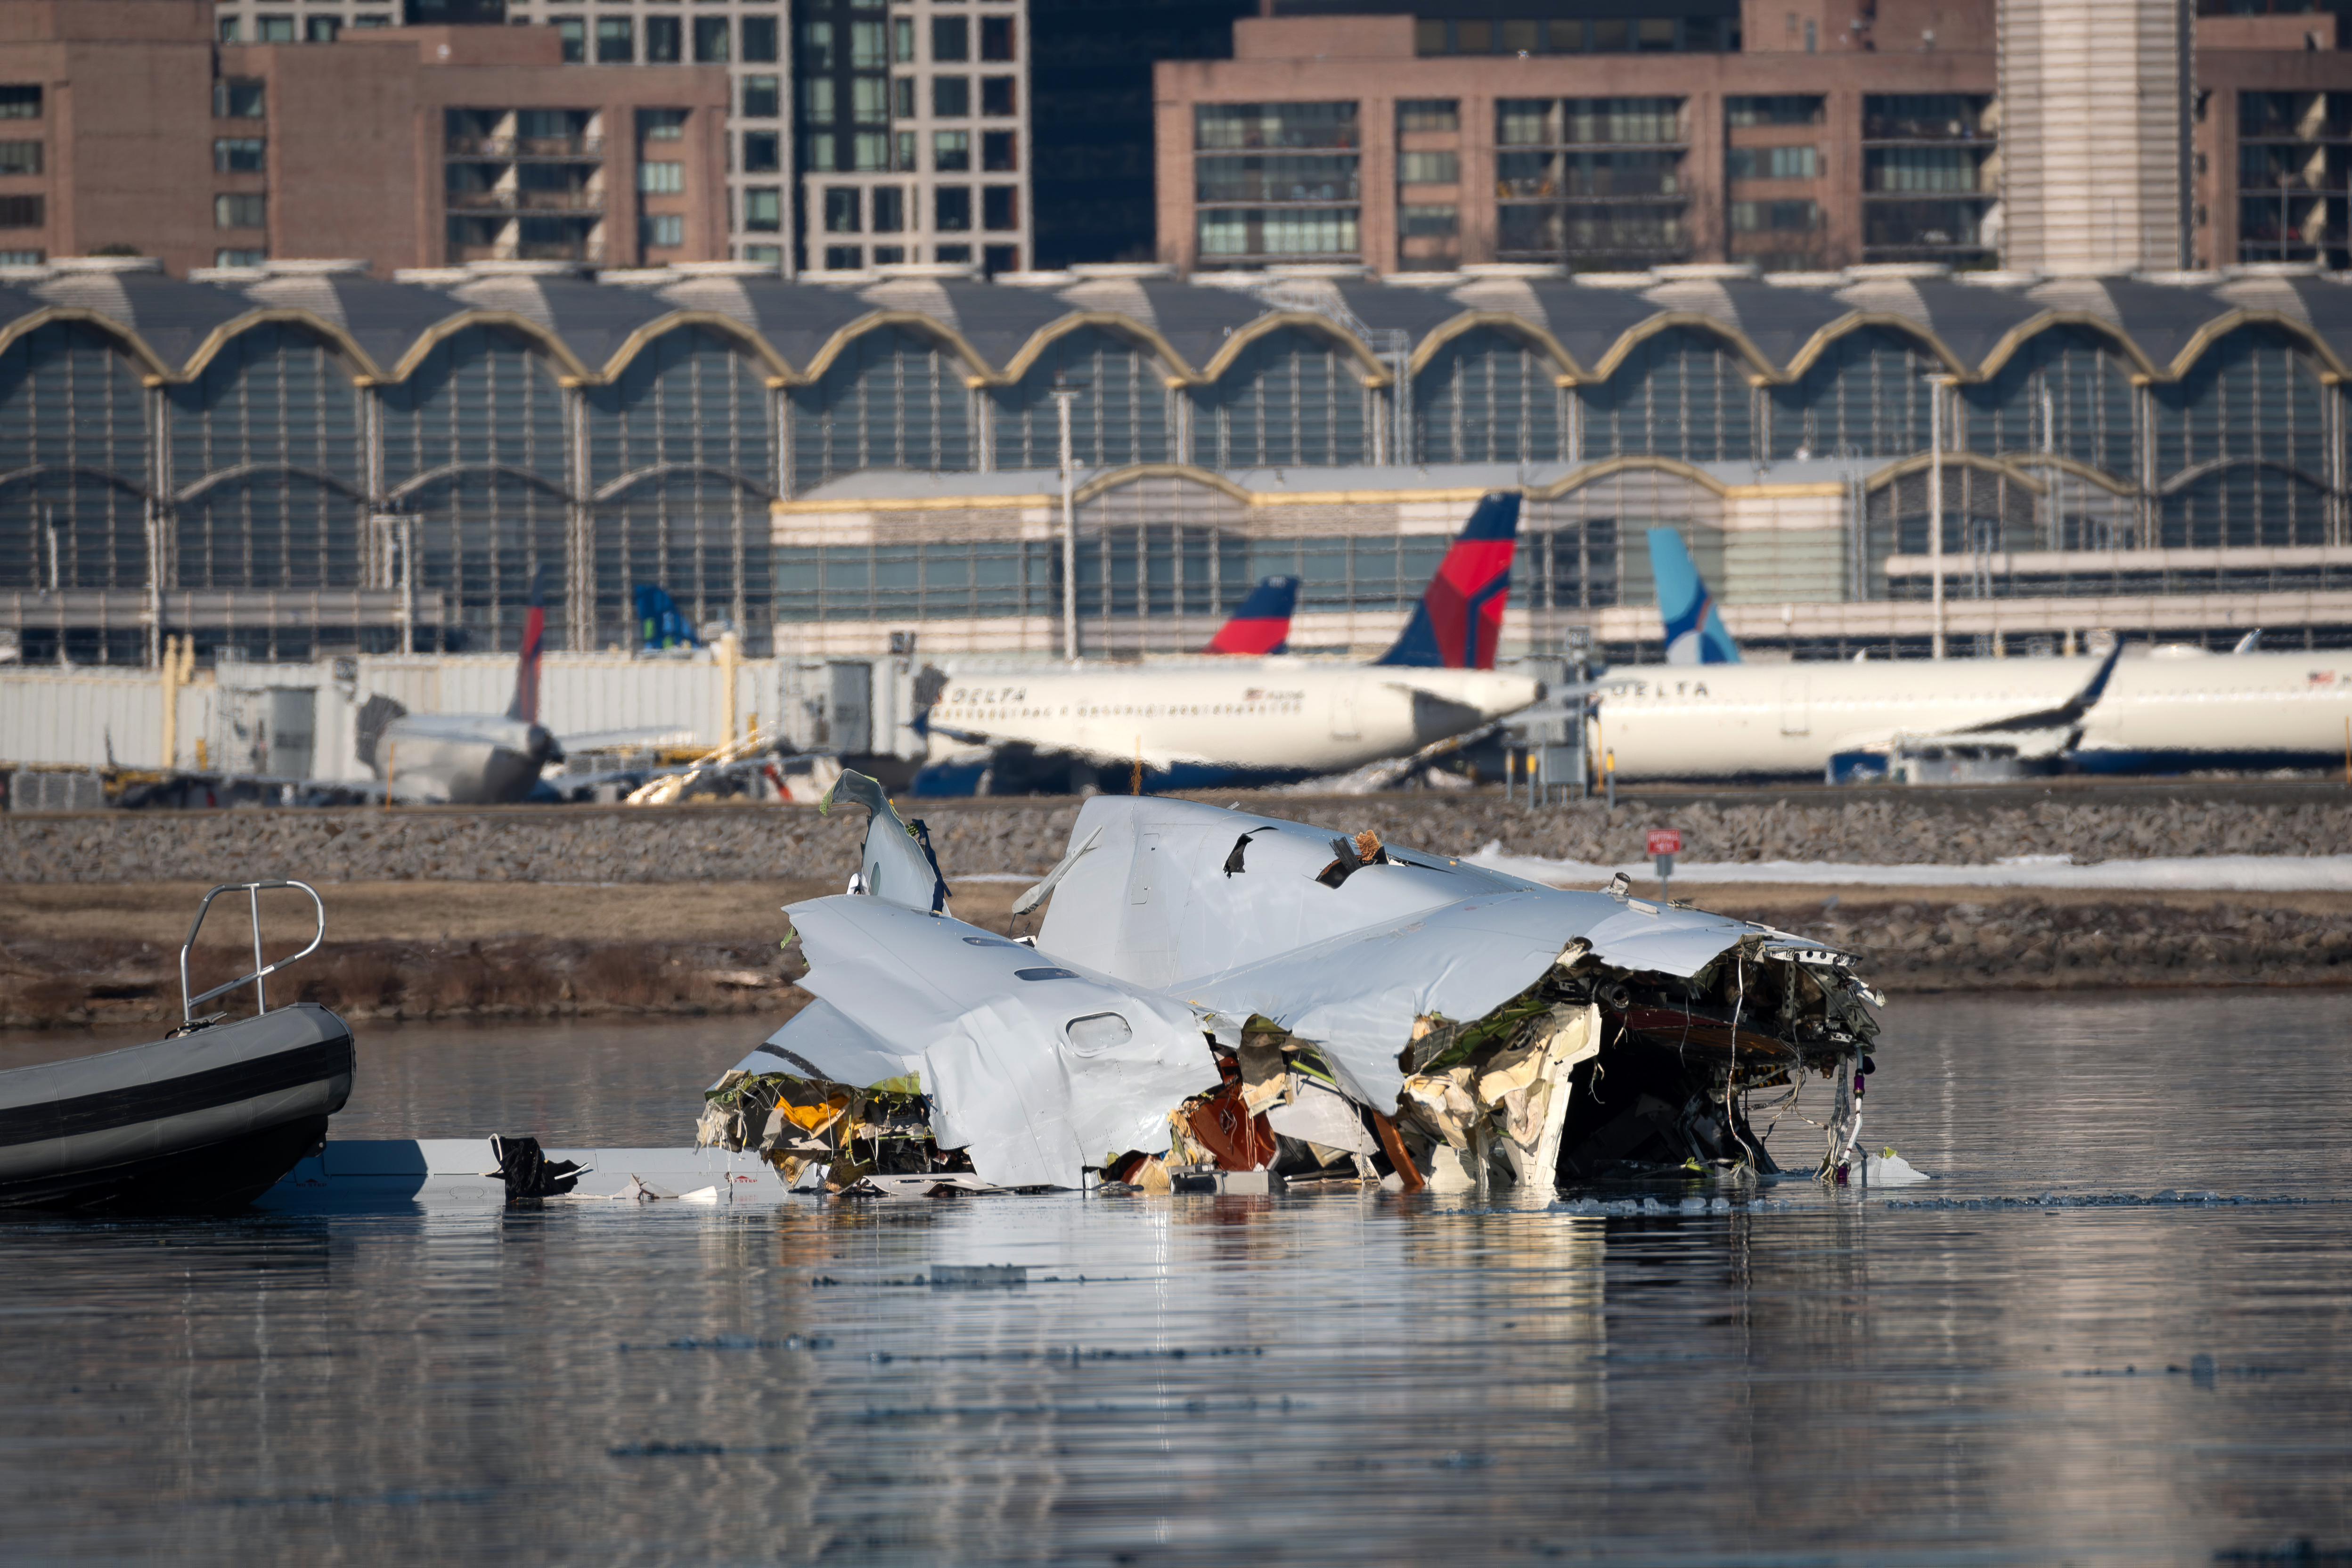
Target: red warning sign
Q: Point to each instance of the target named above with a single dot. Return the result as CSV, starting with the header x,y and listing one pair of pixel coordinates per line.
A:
x,y
1665,841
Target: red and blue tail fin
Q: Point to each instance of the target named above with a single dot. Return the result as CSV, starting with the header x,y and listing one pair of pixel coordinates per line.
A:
x,y
525,705
1460,617
1262,623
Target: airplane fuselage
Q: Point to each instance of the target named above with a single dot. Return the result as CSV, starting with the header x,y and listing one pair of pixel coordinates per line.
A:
x,y
462,759
1212,723
2158,713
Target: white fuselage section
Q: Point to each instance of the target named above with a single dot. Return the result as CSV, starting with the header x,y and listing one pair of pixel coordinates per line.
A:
x,y
1257,715
1725,721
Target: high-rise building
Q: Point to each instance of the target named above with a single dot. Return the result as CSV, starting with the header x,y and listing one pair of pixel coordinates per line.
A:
x,y
125,126
912,125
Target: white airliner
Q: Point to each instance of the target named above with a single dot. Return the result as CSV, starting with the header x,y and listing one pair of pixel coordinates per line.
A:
x,y
1243,721
2166,711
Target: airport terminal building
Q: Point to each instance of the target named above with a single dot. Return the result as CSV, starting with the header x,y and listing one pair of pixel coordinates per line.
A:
x,y
298,460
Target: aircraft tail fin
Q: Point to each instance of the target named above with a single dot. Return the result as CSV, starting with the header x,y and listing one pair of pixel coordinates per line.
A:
x,y
1262,624
1460,617
1694,629
525,705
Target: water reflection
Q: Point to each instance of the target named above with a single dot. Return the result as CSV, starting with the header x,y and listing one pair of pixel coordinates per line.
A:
x,y
1335,1378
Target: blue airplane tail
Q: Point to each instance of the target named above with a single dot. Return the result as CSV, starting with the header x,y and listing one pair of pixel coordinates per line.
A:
x,y
1694,629
660,623
1460,617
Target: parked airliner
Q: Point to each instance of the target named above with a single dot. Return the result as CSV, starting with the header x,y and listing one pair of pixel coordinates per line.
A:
x,y
2169,709
1245,720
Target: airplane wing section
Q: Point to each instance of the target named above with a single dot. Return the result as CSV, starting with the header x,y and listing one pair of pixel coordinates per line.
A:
x,y
2040,731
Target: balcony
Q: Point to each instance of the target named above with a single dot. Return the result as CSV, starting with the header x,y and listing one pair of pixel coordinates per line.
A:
x,y
585,202
588,251
524,147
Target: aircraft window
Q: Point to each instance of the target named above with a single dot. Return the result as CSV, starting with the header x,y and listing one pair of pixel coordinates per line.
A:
x,y
1097,1032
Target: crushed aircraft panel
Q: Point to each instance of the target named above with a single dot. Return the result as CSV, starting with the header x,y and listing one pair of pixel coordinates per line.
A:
x,y
1210,989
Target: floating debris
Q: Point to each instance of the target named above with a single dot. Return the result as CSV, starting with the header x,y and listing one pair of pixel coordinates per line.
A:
x,y
1218,1002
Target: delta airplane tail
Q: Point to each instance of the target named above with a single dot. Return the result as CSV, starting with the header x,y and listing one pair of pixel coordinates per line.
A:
x,y
1694,629
525,705
1460,617
1262,624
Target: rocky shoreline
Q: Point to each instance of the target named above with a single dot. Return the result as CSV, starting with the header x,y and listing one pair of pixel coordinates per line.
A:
x,y
719,844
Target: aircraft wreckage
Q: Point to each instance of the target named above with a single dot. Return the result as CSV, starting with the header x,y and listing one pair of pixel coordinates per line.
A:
x,y
1212,993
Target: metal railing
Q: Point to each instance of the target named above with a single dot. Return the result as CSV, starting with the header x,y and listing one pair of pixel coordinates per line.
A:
x,y
253,891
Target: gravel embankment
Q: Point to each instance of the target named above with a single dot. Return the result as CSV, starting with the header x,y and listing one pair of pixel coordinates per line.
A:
x,y
723,844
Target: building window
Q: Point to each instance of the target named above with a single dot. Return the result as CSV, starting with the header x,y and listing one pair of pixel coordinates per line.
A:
x,y
1233,231
870,152
574,34
951,150
710,39
20,101
322,29
759,39
889,209
1247,125
951,209
773,255
661,124
870,47
22,212
616,41
889,254
951,252
902,151
816,98
1000,206
996,95
274,29
1772,163
764,210
662,40
996,39
229,29
1303,178
841,204
21,258
234,98
665,231
869,99
228,258
902,97
762,152
661,179
951,97
1774,217
234,155
816,47
1432,220
1781,110
844,258
244,209
1429,168
21,157
996,258
999,151
760,94
1429,114
950,38
367,19
902,40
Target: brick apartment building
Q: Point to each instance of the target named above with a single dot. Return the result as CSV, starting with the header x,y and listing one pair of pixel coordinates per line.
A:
x,y
125,124
1807,136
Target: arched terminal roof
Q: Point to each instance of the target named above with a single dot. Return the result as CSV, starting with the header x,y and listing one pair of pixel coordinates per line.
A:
x,y
1197,328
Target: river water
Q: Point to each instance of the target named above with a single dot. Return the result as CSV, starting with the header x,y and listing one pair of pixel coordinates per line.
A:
x,y
1330,1378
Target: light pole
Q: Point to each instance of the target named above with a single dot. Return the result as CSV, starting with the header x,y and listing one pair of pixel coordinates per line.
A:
x,y
1935,385
1063,394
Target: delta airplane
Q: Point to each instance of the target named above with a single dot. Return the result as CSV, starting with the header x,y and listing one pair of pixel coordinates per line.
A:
x,y
1259,720
2168,711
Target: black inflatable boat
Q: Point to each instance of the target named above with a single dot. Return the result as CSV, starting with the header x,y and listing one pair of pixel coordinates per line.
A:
x,y
205,1118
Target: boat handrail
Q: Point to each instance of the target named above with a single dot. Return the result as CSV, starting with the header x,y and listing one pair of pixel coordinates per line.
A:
x,y
253,891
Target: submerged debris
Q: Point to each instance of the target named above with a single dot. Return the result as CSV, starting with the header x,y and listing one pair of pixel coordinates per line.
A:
x,y
1214,992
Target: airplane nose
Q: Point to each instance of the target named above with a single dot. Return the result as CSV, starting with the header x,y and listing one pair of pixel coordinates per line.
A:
x,y
1542,691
